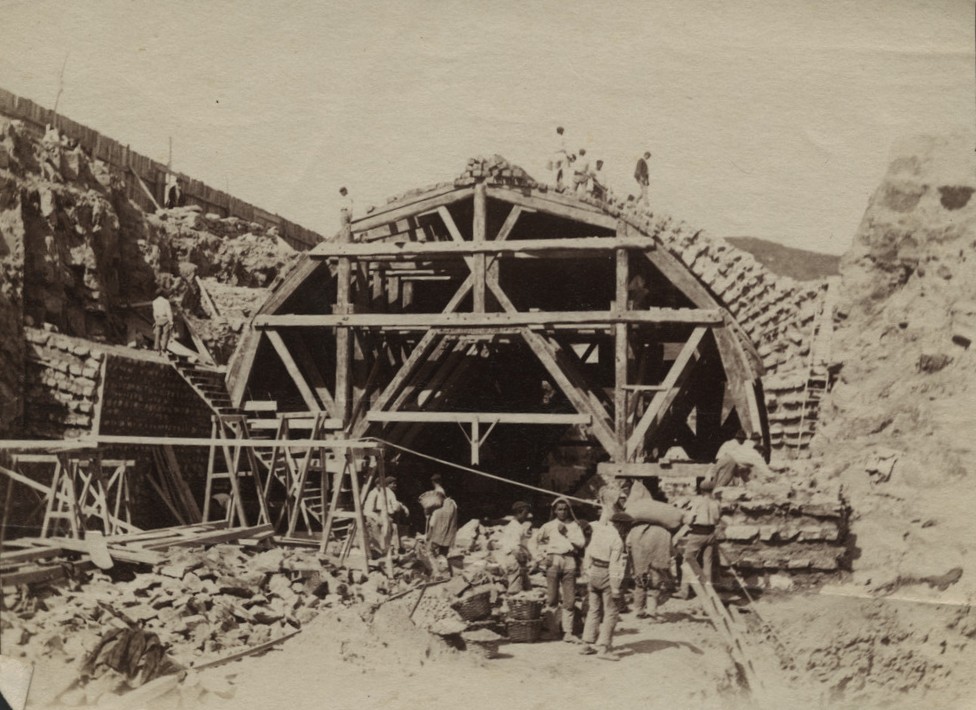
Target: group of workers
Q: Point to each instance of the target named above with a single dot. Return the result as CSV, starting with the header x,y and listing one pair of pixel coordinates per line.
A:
x,y
604,552
572,172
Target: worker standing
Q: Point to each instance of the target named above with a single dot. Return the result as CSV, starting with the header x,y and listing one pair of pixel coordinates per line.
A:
x,y
581,173
563,540
700,542
643,176
442,525
604,567
559,162
345,203
649,551
512,553
162,322
598,187
383,512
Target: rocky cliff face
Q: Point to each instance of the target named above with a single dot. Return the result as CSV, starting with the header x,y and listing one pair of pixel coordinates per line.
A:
x,y
79,257
898,428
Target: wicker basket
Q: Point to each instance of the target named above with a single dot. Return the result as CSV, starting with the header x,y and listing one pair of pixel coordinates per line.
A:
x,y
524,609
524,631
475,607
431,501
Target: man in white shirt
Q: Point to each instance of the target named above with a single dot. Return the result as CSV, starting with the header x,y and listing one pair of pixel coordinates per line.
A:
x,y
604,566
512,553
558,162
562,540
162,322
382,509
737,458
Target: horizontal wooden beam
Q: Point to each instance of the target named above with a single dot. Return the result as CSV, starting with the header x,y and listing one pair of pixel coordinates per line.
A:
x,y
423,321
675,469
409,208
120,440
480,417
461,248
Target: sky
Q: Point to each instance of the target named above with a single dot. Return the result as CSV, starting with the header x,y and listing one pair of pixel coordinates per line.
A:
x,y
765,118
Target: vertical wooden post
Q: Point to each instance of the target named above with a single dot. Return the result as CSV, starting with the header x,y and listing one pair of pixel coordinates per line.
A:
x,y
478,229
343,335
620,358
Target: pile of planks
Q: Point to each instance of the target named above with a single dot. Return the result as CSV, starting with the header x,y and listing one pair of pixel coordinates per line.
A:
x,y
33,560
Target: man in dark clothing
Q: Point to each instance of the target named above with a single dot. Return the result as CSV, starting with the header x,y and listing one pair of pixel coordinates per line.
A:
x,y
642,175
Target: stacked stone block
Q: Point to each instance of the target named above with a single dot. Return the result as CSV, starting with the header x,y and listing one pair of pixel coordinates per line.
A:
x,y
788,531
62,377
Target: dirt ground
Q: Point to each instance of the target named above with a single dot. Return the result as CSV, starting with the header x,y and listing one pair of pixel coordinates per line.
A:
x,y
840,651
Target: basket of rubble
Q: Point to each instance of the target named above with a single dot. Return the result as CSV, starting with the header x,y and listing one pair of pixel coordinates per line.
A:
x,y
522,609
524,631
475,607
431,501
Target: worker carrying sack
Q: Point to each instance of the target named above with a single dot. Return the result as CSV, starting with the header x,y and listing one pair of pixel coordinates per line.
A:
x,y
648,510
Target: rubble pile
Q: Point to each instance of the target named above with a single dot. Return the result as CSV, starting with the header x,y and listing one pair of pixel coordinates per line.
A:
x,y
201,605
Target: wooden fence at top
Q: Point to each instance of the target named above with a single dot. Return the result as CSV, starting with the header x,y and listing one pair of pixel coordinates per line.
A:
x,y
152,173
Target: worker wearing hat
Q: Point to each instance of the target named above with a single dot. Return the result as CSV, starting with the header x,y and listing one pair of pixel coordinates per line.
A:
x,y
562,540
512,554
604,566
700,543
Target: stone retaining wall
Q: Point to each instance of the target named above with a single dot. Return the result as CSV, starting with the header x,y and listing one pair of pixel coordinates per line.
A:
x,y
62,378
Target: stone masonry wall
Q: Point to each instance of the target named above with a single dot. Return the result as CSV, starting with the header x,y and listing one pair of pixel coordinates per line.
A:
x,y
62,377
147,397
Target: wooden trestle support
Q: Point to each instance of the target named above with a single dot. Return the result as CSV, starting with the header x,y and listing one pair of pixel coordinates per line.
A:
x,y
377,332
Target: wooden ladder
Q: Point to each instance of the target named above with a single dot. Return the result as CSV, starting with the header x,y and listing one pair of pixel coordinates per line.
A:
x,y
727,626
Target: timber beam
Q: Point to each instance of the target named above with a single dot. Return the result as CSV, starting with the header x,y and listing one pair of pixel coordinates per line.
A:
x,y
423,321
482,417
463,247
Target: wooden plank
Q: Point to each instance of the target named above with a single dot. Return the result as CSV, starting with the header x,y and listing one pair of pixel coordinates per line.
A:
x,y
408,207
216,537
207,301
260,406
462,248
304,390
235,443
506,229
620,354
484,417
598,423
569,209
24,480
299,274
48,573
478,263
423,321
737,365
663,400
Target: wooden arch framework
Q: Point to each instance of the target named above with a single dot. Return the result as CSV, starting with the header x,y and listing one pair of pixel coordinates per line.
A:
x,y
486,305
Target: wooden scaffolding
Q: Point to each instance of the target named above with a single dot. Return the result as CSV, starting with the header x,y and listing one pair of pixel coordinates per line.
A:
x,y
388,330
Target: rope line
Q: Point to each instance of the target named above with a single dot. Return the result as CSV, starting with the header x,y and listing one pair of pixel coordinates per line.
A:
x,y
492,476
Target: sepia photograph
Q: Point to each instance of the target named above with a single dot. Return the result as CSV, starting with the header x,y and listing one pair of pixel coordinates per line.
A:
x,y
443,355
